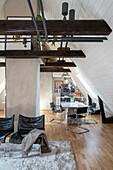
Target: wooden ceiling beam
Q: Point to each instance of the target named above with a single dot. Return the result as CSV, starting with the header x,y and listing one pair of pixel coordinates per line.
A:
x,y
42,54
58,64
2,64
43,69
55,27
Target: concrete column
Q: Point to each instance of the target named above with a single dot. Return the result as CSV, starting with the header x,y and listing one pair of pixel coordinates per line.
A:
x,y
23,87
22,75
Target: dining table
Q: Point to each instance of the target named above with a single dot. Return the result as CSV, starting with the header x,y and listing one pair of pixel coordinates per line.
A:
x,y
71,109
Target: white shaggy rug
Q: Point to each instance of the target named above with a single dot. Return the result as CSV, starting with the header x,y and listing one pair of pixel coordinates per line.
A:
x,y
60,158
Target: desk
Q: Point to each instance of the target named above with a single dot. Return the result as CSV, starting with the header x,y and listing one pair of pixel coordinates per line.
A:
x,y
71,108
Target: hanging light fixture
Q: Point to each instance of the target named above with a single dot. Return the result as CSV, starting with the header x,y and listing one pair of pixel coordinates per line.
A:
x,y
64,9
71,14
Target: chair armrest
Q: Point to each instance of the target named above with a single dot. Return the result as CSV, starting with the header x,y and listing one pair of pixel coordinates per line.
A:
x,y
2,139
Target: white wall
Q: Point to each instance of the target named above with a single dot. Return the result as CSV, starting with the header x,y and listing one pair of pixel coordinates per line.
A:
x,y
2,93
45,90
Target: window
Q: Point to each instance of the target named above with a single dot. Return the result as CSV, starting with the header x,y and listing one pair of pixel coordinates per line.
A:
x,y
85,84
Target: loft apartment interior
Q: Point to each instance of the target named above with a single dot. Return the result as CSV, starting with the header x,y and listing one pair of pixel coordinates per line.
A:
x,y
56,92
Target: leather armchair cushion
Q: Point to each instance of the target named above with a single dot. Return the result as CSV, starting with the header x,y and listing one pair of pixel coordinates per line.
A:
x,y
16,138
2,139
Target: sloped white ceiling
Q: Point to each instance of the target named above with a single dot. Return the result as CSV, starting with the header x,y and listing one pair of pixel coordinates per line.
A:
x,y
97,67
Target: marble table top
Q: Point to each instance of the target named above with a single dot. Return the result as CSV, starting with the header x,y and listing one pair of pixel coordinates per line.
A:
x,y
75,104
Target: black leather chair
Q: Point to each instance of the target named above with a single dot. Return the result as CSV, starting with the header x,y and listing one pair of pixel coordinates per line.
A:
x,y
25,125
60,110
103,115
6,127
52,105
92,107
80,114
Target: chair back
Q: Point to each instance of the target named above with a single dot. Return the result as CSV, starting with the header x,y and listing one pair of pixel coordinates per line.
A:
x,y
6,125
52,104
26,124
94,105
67,99
61,108
82,110
102,111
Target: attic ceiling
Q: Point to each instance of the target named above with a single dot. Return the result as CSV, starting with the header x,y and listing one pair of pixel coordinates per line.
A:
x,y
97,67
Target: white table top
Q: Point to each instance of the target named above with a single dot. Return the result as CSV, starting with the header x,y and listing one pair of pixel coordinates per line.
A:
x,y
75,104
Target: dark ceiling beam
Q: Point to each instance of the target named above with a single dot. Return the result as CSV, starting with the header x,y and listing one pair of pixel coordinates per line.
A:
x,y
55,27
43,69
42,54
2,64
58,64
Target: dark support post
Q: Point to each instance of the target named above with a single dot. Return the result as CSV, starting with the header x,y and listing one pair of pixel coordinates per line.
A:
x,y
104,118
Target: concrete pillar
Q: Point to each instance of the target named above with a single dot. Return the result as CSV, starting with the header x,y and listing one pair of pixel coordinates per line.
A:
x,y
22,87
22,75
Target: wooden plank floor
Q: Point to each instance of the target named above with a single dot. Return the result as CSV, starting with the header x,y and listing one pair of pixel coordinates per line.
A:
x,y
93,150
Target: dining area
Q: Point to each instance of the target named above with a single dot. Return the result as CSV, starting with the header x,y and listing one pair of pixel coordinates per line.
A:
x,y
73,113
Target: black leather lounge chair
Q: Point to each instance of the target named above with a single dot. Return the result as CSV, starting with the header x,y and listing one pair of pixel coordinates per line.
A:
x,y
25,125
6,127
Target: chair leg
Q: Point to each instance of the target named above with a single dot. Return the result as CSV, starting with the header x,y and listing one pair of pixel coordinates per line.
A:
x,y
59,120
87,121
40,150
80,127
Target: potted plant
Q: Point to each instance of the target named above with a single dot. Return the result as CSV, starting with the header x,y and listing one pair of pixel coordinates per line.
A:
x,y
64,75
72,96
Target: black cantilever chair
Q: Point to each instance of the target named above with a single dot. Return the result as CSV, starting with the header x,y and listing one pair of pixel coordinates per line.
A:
x,y
52,105
25,125
6,127
80,114
60,111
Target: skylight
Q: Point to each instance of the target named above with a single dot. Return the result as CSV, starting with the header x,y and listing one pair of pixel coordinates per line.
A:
x,y
85,84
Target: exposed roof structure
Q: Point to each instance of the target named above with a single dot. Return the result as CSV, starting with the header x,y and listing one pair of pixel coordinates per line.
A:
x,y
96,68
